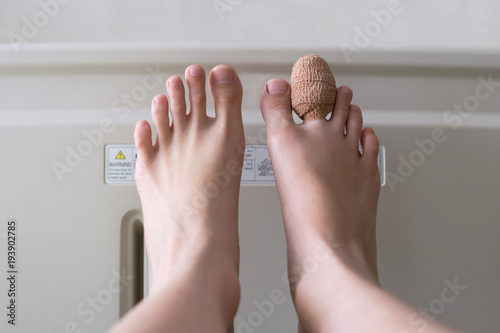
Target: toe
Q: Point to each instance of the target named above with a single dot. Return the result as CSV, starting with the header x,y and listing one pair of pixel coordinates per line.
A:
x,y
341,109
159,112
370,144
275,105
142,138
354,124
227,93
175,90
195,78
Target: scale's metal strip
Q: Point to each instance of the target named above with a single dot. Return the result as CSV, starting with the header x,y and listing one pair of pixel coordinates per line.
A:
x,y
257,168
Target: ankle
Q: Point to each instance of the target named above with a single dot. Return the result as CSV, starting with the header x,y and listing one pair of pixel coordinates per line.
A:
x,y
358,258
325,258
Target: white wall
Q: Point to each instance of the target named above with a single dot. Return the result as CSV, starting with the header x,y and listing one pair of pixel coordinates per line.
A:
x,y
423,24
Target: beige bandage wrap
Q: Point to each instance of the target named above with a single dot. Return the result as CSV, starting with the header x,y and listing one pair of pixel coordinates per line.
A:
x,y
313,88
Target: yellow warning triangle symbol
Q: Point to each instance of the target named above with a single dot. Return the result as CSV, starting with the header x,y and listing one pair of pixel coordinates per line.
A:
x,y
120,156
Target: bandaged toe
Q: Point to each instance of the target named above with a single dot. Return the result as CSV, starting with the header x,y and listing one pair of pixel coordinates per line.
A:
x,y
313,88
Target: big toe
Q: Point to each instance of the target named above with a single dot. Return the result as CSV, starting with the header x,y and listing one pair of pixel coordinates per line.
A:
x,y
227,93
275,105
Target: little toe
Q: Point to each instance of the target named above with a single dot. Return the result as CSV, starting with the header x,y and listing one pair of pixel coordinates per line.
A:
x,y
227,93
175,90
143,142
275,105
195,78
370,144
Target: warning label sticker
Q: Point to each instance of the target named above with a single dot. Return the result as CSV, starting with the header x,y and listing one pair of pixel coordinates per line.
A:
x,y
257,168
120,164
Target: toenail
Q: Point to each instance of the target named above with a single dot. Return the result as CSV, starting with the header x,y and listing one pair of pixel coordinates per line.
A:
x,y
195,71
370,130
174,81
223,74
343,89
277,87
160,100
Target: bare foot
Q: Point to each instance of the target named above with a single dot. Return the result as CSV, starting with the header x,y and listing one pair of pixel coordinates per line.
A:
x,y
328,193
188,181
